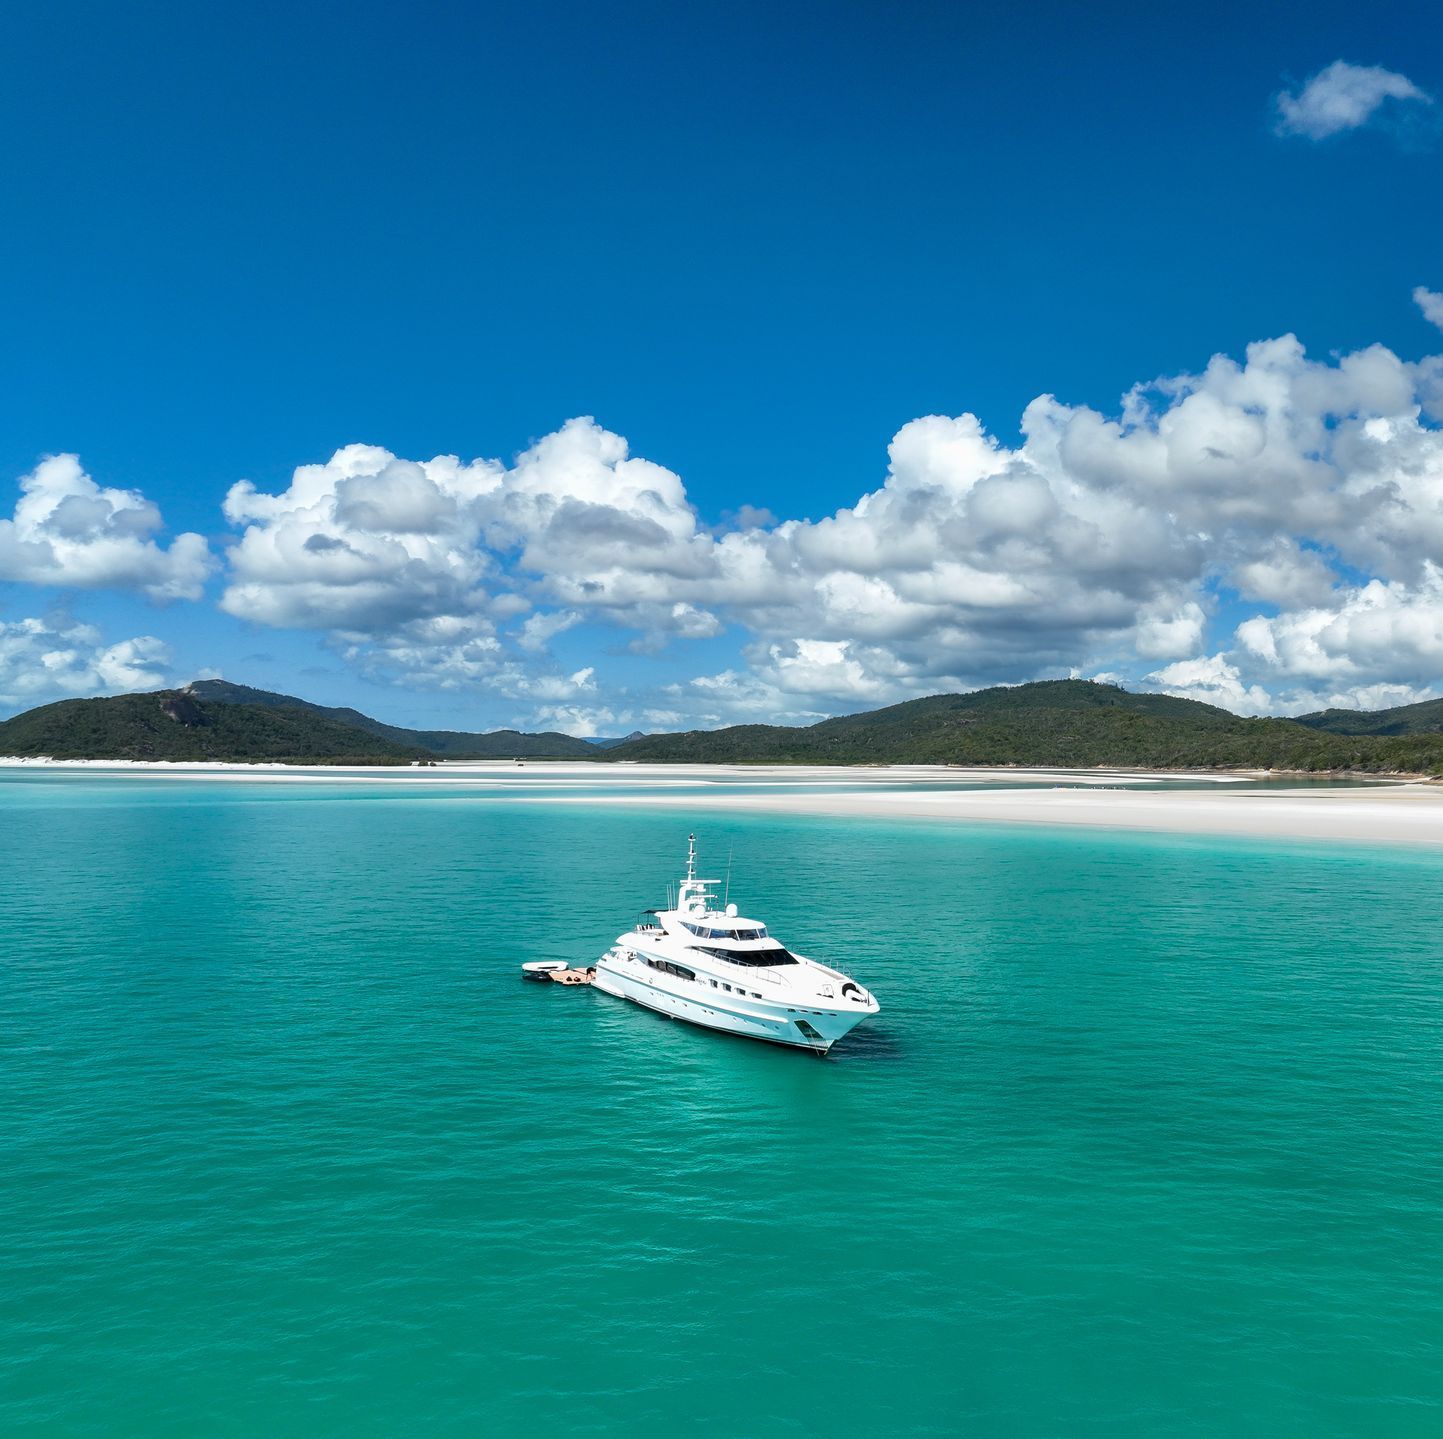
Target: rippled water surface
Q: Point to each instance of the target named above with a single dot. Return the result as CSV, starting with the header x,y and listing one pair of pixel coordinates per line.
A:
x,y
1145,1141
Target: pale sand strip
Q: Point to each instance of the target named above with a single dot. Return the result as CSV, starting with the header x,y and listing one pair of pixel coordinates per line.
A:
x,y
534,771
1409,813
1404,814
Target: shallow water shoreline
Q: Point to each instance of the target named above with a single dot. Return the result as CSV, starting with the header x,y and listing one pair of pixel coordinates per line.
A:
x,y
1406,814
1396,812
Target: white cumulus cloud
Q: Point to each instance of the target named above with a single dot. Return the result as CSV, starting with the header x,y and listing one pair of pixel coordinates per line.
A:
x,y
1431,304
57,658
1306,493
1377,633
1101,540
369,541
541,628
1164,636
1213,680
1342,97
365,542
69,531
583,721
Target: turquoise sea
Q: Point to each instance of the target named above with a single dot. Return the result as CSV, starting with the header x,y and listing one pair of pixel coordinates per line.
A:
x,y
1147,1140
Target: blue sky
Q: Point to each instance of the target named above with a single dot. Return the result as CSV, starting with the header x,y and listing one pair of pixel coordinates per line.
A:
x,y
757,242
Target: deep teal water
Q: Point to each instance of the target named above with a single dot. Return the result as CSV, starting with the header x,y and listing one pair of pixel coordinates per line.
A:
x,y
1146,1140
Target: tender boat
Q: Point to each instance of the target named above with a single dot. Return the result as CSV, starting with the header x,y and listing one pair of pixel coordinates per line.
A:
x,y
712,967
543,969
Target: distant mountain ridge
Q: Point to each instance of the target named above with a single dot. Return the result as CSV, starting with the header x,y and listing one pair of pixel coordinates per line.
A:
x,y
1051,723
176,725
1074,723
612,743
443,744
214,720
1425,717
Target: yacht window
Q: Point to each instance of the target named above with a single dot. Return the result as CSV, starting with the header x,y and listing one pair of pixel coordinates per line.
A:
x,y
702,932
667,967
750,958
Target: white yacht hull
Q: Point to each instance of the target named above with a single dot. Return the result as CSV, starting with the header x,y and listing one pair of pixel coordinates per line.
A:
x,y
628,978
708,965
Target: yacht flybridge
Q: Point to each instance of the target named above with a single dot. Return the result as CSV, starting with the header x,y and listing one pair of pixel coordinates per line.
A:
x,y
714,968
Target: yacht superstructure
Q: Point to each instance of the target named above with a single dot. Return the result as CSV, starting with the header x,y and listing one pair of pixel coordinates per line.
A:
x,y
711,967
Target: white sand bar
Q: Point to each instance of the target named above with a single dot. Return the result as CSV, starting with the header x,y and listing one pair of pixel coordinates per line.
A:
x,y
1229,804
1400,814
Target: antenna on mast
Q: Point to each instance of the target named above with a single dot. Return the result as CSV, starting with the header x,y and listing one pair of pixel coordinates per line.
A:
x,y
727,893
691,856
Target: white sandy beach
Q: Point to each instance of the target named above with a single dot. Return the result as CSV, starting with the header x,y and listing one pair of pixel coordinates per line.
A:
x,y
1402,814
1399,813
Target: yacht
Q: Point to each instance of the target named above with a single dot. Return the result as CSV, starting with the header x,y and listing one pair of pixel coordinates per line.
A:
x,y
710,966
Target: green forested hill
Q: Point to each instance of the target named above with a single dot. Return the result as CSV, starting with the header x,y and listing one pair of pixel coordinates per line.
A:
x,y
1058,722
174,725
1055,722
443,744
1423,718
